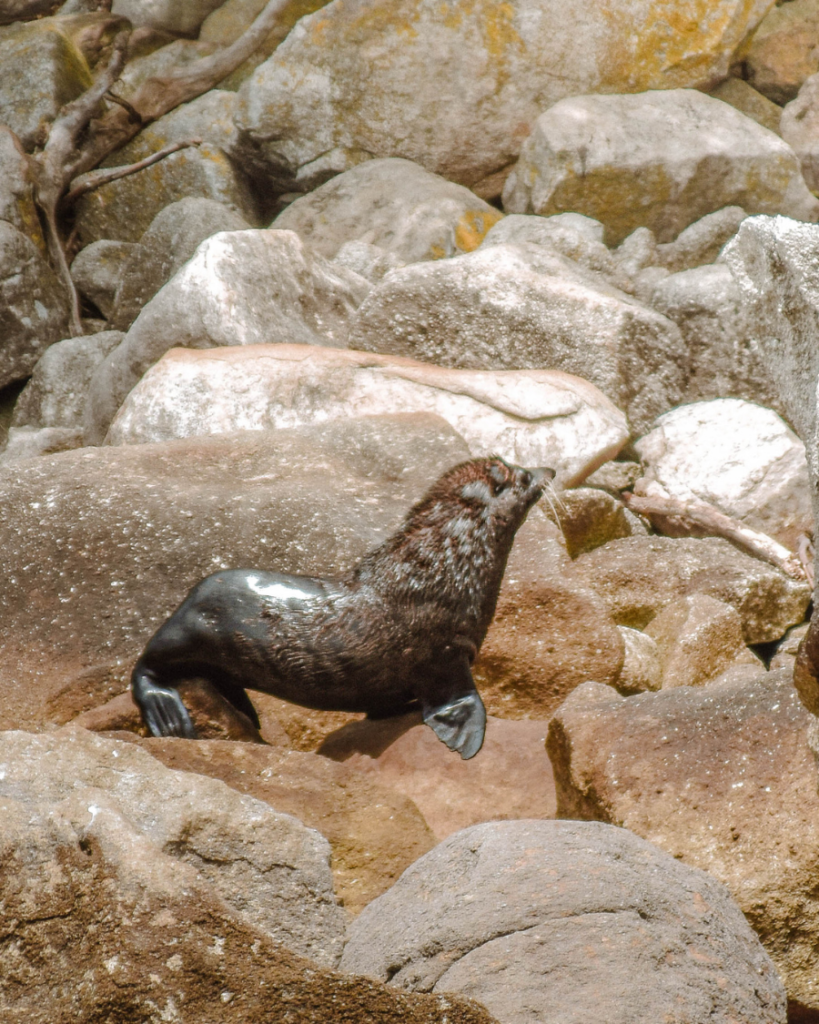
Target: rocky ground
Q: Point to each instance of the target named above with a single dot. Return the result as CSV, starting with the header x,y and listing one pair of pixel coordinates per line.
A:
x,y
265,273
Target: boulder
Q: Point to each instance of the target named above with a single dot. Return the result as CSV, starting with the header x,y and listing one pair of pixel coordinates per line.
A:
x,y
638,576
659,159
179,16
239,288
105,920
526,307
173,237
800,123
590,517
744,98
567,920
42,71
91,30
394,204
374,831
701,242
28,442
371,261
642,669
162,54
123,209
739,457
722,355
101,544
459,94
33,305
510,778
265,864
782,51
533,418
723,778
97,272
698,639
17,189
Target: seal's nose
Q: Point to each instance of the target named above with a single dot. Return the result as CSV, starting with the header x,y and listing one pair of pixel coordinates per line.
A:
x,y
542,475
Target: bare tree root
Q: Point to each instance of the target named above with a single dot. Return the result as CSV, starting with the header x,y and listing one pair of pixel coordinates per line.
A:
x,y
79,140
698,518
94,179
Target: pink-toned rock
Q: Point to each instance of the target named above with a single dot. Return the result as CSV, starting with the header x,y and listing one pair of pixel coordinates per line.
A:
x,y
511,777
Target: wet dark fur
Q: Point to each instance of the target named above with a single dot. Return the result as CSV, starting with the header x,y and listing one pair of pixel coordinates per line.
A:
x,y
400,630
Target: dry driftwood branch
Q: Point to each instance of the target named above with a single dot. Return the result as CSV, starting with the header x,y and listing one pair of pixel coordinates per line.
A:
x,y
698,517
94,179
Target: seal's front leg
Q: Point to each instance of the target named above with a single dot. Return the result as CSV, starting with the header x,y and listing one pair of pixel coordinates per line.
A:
x,y
453,708
161,706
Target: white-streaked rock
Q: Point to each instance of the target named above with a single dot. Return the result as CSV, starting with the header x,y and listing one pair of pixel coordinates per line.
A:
x,y
800,129
659,159
740,457
641,669
533,417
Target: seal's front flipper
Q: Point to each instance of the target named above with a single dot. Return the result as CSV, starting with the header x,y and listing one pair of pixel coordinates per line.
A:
x,y
460,723
161,706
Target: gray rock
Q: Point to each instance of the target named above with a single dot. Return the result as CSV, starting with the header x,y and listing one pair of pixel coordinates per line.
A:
x,y
722,355
268,866
739,457
240,288
17,189
33,305
566,921
457,95
782,51
394,204
124,209
160,60
701,242
182,16
97,270
642,669
800,123
28,442
524,306
42,70
171,240
370,261
742,96
657,159
589,517
639,576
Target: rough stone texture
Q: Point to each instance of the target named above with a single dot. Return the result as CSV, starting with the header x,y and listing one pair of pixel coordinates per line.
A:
x,y
371,261
101,924
91,30
160,58
394,204
104,543
97,271
42,70
699,638
228,21
589,517
28,442
124,209
17,189
33,305
800,123
240,288
533,418
567,921
722,355
724,778
524,306
510,778
266,865
701,241
182,16
642,669
782,51
639,576
660,160
785,656
374,831
55,395
738,456
459,94
172,239
744,98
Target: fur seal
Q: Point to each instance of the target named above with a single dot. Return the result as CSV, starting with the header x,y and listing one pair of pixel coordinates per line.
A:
x,y
400,630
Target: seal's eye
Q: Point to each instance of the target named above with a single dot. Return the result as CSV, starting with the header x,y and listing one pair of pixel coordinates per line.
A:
x,y
526,478
499,477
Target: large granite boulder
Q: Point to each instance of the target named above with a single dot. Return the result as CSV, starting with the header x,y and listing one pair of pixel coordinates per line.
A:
x,y
567,921
533,418
781,53
659,159
459,92
725,779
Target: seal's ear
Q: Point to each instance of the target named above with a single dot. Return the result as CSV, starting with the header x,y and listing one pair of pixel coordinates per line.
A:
x,y
460,723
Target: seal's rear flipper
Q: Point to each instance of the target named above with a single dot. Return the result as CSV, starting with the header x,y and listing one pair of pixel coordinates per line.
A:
x,y
460,723
161,706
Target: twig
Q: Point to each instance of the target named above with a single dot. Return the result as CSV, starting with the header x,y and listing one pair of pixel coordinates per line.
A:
x,y
697,516
806,553
94,179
